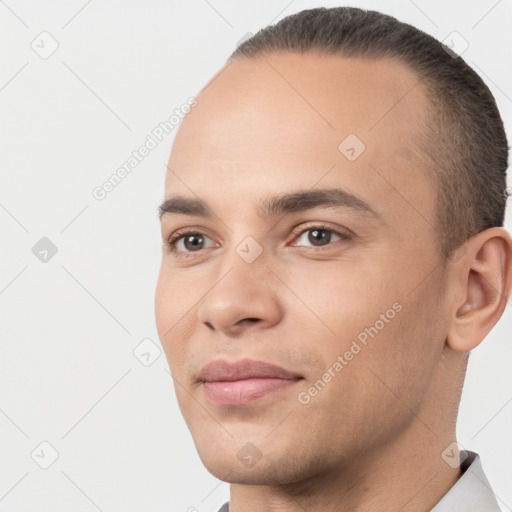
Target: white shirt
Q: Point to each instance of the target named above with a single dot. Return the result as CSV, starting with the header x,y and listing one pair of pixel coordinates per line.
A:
x,y
470,493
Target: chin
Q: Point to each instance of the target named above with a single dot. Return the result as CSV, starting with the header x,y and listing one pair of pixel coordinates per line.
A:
x,y
233,473
249,466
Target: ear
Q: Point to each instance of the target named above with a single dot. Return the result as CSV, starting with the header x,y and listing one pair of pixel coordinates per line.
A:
x,y
483,283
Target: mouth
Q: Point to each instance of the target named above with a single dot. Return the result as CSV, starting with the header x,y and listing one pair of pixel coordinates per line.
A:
x,y
242,382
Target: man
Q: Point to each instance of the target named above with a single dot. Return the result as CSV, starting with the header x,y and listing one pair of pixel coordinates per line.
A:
x,y
333,250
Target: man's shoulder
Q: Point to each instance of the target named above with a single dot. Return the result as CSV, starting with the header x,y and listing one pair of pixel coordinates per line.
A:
x,y
225,507
472,491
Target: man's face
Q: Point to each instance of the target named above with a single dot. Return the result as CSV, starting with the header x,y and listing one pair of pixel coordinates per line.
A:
x,y
307,285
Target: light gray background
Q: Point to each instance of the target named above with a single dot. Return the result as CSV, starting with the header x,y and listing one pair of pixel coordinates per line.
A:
x,y
69,326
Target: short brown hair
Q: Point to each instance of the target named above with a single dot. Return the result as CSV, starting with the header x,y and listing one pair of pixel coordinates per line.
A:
x,y
466,144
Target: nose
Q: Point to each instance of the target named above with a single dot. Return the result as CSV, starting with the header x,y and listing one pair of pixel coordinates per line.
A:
x,y
243,296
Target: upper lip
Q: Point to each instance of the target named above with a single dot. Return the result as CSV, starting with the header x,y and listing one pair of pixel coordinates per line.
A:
x,y
222,370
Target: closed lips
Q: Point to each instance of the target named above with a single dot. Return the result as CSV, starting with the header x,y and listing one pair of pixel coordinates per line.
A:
x,y
242,382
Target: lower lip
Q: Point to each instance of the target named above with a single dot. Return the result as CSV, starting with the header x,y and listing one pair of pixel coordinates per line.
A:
x,y
242,392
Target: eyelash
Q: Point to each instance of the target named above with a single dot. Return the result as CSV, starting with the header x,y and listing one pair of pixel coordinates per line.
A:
x,y
178,235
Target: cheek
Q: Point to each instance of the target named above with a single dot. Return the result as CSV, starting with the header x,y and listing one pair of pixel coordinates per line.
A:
x,y
366,315
345,297
173,298
387,361
170,318
163,306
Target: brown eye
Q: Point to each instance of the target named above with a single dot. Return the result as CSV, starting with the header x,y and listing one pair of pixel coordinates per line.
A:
x,y
183,242
318,237
193,242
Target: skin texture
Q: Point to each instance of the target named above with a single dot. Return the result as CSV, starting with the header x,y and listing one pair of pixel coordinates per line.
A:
x,y
372,438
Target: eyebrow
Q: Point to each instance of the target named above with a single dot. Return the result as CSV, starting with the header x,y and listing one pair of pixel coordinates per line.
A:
x,y
295,202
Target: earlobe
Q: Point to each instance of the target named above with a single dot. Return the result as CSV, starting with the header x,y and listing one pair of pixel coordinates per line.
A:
x,y
483,277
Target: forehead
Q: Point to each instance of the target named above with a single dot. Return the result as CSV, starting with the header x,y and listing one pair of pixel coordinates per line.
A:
x,y
268,124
